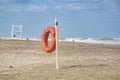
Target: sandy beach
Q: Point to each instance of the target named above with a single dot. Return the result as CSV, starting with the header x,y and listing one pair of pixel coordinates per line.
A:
x,y
25,60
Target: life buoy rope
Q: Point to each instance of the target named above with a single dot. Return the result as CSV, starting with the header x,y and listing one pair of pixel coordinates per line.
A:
x,y
48,48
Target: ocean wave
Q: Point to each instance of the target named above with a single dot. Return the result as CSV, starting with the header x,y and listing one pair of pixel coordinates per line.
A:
x,y
115,41
94,40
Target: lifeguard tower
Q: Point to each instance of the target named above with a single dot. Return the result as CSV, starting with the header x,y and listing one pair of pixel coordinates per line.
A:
x,y
16,32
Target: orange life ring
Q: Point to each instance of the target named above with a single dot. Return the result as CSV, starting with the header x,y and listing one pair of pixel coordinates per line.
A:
x,y
48,48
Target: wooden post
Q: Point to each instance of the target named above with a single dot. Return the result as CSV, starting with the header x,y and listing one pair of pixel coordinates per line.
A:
x,y
56,29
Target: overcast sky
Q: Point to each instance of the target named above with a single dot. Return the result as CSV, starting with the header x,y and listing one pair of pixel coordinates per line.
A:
x,y
77,18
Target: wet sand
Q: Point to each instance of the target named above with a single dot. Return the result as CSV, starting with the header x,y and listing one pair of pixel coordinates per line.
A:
x,y
25,60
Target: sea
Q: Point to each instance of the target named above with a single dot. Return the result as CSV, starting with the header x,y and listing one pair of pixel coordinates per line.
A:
x,y
114,41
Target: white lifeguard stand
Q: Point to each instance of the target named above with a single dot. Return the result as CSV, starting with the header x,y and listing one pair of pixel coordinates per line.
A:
x,y
16,31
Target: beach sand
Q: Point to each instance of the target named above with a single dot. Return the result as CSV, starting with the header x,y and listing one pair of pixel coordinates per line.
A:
x,y
25,60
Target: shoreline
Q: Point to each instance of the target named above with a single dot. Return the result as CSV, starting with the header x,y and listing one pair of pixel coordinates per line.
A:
x,y
88,41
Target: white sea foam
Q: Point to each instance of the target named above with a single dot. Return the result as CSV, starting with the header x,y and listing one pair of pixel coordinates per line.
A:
x,y
115,41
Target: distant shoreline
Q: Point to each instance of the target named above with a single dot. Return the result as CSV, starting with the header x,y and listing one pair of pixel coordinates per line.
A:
x,y
113,41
